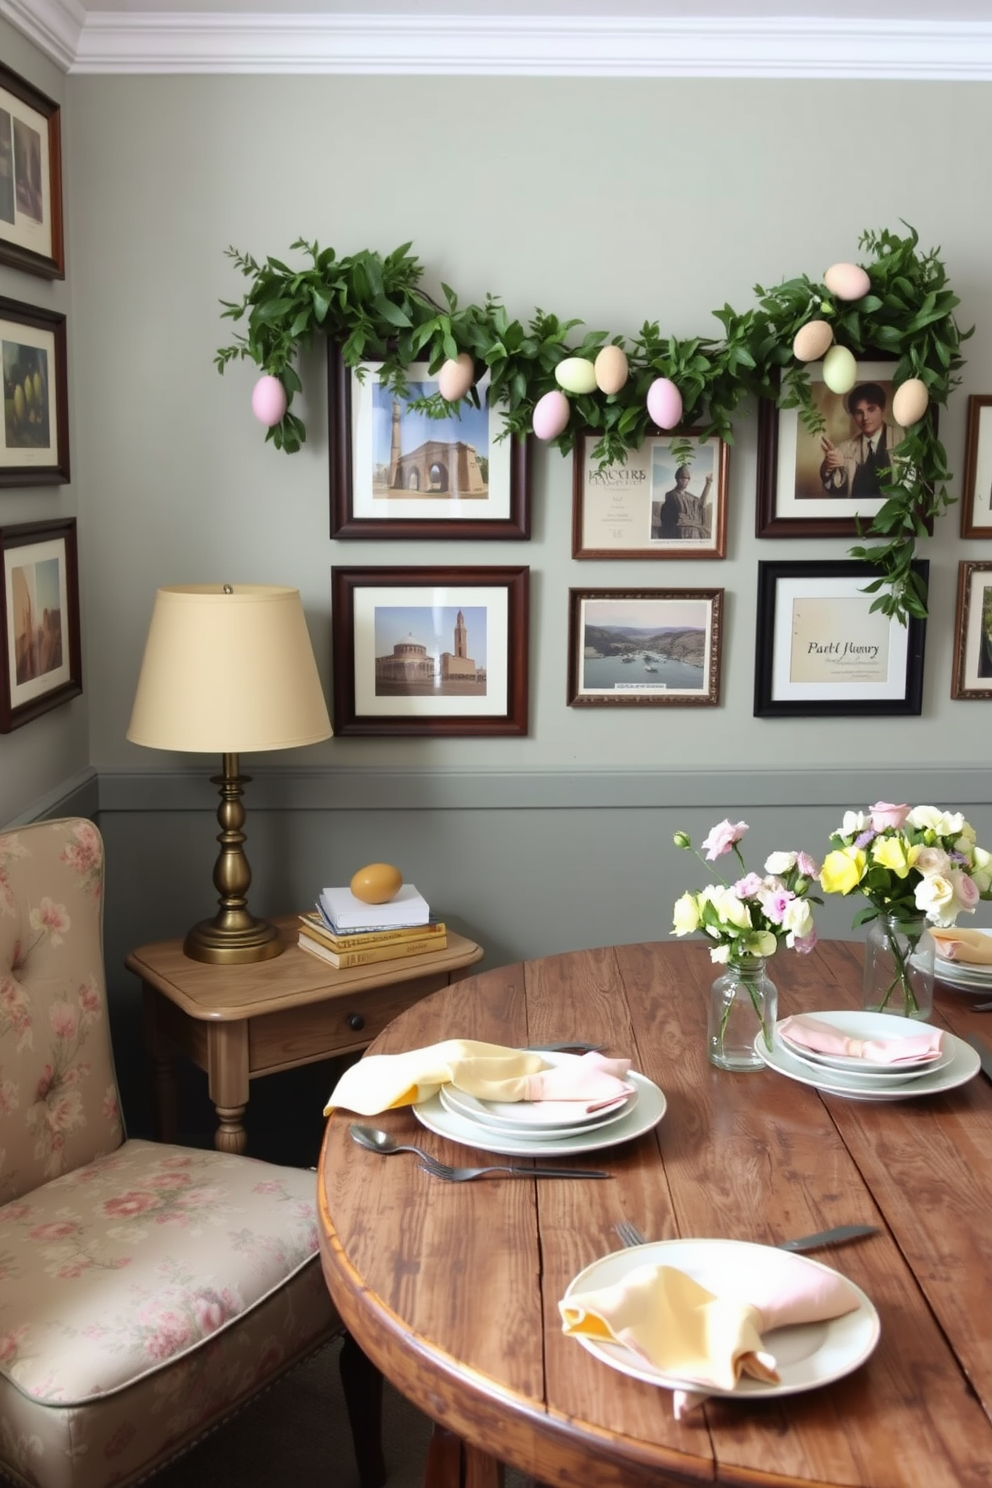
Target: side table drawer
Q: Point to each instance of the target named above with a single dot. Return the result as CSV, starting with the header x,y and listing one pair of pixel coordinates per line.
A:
x,y
340,1025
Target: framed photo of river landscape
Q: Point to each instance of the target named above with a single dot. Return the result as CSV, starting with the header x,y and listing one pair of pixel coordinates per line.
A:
x,y
637,648
820,485
976,503
397,472
430,651
30,179
34,438
972,674
657,504
822,652
39,620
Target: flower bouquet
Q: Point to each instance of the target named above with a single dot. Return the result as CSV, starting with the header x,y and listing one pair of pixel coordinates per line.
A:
x,y
747,920
912,864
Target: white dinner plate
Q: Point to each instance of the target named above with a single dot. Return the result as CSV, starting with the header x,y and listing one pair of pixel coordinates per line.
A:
x,y
807,1355
862,1026
874,1075
460,1103
648,1111
967,976
962,1066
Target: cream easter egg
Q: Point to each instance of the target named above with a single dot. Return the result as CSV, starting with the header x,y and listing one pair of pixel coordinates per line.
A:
x,y
576,375
812,341
550,415
847,281
456,377
840,370
611,369
909,402
268,400
376,883
664,403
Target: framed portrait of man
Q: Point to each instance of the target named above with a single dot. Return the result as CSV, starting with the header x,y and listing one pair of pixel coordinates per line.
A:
x,y
667,499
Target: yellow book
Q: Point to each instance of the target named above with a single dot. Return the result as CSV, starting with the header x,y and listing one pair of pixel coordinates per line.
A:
x,y
394,952
355,940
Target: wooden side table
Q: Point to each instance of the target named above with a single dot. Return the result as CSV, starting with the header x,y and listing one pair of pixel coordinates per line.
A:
x,y
239,1022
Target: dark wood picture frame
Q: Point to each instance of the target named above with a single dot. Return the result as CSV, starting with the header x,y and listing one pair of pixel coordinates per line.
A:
x,y
417,689
784,445
512,454
40,640
654,633
977,491
617,510
34,434
830,639
971,678
31,143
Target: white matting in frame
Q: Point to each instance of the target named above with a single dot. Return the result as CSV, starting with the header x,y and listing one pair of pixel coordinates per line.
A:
x,y
386,617
643,508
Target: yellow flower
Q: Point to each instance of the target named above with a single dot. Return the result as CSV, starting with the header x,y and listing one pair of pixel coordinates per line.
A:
x,y
843,870
890,852
686,915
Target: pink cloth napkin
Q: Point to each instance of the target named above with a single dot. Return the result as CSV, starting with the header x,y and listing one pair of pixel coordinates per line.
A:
x,y
823,1038
592,1078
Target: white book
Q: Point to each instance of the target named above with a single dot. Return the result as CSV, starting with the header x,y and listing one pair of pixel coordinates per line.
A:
x,y
406,907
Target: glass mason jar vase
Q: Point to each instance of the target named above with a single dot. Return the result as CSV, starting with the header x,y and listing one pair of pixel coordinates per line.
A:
x,y
743,1004
899,967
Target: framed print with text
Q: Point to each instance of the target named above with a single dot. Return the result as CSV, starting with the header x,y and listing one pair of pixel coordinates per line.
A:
x,y
821,651
30,179
653,505
637,648
34,447
976,502
39,620
816,485
429,651
397,472
972,675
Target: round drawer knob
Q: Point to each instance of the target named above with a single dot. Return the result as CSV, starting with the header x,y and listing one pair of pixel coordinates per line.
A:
x,y
356,1022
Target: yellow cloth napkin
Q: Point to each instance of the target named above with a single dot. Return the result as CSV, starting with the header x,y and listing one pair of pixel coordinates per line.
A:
x,y
956,944
380,1082
690,1333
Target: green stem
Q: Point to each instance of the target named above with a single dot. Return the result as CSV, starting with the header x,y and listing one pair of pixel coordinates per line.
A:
x,y
903,976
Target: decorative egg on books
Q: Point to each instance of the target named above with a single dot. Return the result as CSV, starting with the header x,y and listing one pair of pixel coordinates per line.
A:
x,y
840,370
456,377
268,400
611,369
909,402
376,883
664,403
812,341
550,415
847,281
576,375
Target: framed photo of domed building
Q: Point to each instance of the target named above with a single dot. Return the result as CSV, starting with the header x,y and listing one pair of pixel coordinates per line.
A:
x,y
405,464
429,651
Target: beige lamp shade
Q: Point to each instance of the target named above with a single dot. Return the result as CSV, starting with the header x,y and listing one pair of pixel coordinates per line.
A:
x,y
228,669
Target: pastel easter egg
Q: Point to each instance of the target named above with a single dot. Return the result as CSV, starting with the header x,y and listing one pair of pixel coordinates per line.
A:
x,y
550,415
847,281
611,369
268,400
840,370
456,377
909,402
376,883
812,341
664,403
576,375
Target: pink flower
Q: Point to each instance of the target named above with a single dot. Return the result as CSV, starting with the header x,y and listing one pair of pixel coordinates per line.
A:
x,y
64,1020
130,1205
965,890
805,943
747,887
210,1314
721,839
55,1229
808,867
885,814
51,917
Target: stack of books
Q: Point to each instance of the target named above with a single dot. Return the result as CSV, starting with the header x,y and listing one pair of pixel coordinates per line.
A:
x,y
345,931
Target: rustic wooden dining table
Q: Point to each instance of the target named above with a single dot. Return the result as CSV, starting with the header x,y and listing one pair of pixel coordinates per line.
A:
x,y
452,1289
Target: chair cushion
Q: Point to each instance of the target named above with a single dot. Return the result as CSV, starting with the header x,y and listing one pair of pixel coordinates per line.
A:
x,y
197,1239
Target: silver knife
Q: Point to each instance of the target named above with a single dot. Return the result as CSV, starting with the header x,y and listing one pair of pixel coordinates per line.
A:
x,y
837,1236
983,1052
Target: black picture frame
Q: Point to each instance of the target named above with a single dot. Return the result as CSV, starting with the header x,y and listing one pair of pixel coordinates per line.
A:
x,y
31,234
40,640
34,434
815,631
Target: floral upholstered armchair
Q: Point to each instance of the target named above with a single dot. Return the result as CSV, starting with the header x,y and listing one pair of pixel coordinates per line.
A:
x,y
146,1290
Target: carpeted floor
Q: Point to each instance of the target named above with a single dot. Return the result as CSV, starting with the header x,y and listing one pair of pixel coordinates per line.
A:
x,y
296,1435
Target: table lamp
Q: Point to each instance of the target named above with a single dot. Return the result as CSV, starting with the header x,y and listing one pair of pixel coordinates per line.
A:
x,y
229,669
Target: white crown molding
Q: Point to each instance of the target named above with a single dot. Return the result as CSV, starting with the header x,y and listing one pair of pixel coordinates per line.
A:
x,y
540,46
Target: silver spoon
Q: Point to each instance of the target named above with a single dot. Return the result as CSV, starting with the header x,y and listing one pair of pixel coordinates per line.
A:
x,y
981,1007
380,1141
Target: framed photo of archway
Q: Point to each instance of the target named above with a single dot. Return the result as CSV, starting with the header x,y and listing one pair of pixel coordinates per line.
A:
x,y
396,471
30,179
41,660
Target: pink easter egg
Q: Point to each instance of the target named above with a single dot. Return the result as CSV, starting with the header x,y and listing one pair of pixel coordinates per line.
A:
x,y
847,281
664,403
268,400
456,377
550,415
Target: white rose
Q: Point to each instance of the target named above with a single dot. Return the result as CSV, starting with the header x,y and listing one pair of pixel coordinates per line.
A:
x,y
798,919
720,954
731,909
686,915
931,860
780,862
924,818
854,823
935,896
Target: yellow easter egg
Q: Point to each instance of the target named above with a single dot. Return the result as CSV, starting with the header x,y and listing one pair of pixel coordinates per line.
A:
x,y
812,341
840,370
456,377
909,402
376,883
611,369
847,281
576,375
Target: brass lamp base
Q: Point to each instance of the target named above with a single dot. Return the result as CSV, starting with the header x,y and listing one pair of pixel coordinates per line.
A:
x,y
222,945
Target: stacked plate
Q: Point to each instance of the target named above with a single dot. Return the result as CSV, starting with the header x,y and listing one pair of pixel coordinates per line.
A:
x,y
861,1078
966,976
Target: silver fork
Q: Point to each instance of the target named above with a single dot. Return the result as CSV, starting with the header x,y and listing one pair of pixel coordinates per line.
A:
x,y
460,1175
629,1234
